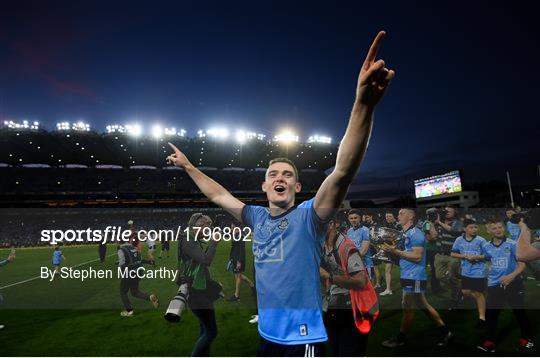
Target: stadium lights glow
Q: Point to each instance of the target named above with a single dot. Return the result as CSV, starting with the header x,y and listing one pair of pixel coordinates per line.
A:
x,y
173,132
319,139
219,133
24,125
286,136
157,131
115,128
242,136
80,126
62,126
134,130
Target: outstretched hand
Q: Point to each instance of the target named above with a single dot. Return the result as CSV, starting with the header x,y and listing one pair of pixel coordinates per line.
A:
x,y
374,77
177,158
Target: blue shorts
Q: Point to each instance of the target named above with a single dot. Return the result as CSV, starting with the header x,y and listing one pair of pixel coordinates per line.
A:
x,y
413,286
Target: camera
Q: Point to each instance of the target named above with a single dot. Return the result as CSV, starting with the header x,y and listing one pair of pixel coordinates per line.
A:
x,y
178,304
433,213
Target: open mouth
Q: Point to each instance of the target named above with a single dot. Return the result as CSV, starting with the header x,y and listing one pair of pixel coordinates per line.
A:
x,y
279,188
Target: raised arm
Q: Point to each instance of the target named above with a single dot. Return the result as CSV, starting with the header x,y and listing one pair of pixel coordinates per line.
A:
x,y
372,83
210,188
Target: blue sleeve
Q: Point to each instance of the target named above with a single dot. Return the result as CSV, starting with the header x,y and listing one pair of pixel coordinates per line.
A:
x,y
365,234
418,239
457,246
484,250
314,220
248,215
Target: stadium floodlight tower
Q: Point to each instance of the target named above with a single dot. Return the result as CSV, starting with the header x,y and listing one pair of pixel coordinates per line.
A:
x,y
157,131
115,128
80,126
319,139
287,137
63,126
134,130
243,136
23,125
218,133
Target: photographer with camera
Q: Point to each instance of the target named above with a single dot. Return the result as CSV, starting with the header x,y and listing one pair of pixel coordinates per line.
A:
x,y
428,228
194,258
448,268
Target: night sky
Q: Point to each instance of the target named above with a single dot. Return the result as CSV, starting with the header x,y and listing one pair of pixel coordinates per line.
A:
x,y
465,96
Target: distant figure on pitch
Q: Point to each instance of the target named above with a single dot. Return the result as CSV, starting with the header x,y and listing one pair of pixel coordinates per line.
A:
x,y
237,264
10,259
57,259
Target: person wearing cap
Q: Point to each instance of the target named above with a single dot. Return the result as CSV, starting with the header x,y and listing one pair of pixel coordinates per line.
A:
x,y
468,249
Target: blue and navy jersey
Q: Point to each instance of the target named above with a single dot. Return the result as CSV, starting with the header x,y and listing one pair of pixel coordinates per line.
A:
x,y
358,236
287,253
57,257
414,237
513,230
503,260
471,247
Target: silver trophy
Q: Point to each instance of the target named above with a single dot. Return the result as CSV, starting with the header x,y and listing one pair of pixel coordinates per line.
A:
x,y
384,235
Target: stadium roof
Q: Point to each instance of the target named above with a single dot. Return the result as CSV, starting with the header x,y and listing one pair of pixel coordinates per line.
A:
x,y
22,147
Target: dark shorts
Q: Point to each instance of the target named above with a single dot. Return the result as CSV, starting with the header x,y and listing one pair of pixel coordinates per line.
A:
x,y
232,266
473,284
413,286
165,245
271,349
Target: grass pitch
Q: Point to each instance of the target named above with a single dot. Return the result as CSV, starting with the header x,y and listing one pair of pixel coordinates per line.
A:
x,y
69,318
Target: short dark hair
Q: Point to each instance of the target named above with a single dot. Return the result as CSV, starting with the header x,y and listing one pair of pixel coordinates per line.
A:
x,y
468,222
287,161
353,211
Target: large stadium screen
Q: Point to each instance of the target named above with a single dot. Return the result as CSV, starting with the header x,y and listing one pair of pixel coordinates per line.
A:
x,y
437,185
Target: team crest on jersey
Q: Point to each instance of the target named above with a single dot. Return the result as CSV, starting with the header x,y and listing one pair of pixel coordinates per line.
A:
x,y
283,224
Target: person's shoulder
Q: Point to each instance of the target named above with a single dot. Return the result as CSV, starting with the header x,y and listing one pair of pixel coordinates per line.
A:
x,y
307,203
511,242
481,239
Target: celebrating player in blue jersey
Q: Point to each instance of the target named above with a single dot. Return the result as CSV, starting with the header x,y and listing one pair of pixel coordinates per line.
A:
x,y
468,247
288,237
505,286
57,259
412,264
359,234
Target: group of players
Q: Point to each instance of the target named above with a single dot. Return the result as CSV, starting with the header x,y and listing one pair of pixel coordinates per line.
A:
x,y
490,265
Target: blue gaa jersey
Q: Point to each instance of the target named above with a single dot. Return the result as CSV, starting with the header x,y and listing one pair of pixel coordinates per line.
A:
x,y
503,260
358,236
471,247
287,253
414,237
57,257
513,230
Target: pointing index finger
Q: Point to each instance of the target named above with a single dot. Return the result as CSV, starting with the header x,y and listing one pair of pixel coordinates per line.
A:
x,y
176,150
372,53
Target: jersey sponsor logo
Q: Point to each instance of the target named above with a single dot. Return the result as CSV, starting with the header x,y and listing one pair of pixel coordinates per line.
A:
x,y
501,262
268,251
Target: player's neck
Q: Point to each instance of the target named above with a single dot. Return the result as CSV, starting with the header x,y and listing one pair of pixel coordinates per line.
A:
x,y
278,210
407,226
